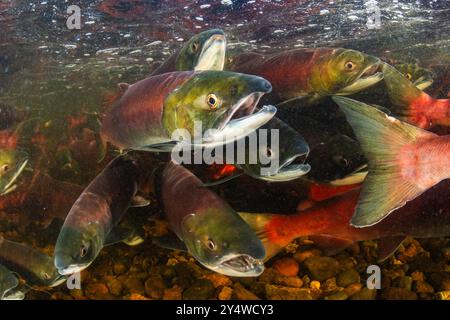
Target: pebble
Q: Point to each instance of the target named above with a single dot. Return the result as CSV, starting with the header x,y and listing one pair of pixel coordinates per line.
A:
x,y
321,268
201,289
423,287
347,277
341,295
286,267
404,282
114,285
353,288
225,293
97,290
365,294
134,285
218,280
174,293
301,256
243,294
154,286
393,293
288,281
275,292
119,268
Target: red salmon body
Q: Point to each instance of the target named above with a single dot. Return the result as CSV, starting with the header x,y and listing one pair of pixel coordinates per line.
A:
x,y
135,120
289,72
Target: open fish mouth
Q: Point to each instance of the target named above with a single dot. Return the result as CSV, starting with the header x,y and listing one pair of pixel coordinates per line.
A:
x,y
423,82
19,168
212,56
240,265
367,78
293,168
239,121
74,268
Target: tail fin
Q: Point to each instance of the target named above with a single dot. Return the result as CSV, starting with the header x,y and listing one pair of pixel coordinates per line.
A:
x,y
259,223
381,138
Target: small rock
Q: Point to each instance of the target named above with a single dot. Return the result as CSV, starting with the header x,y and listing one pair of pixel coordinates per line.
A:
x,y
243,294
154,286
136,296
423,287
404,282
201,289
134,285
115,286
225,293
286,267
286,293
288,281
353,288
394,293
174,293
341,295
322,268
268,275
417,276
443,295
347,277
218,280
301,256
119,268
97,291
365,294
330,286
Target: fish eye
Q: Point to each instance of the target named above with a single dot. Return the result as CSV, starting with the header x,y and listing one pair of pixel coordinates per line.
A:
x,y
194,46
350,65
4,168
213,101
83,251
408,76
211,245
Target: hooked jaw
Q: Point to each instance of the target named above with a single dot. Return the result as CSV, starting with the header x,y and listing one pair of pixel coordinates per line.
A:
x,y
239,121
212,56
65,265
239,265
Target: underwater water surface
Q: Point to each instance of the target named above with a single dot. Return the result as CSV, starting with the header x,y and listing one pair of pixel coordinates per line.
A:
x,y
56,84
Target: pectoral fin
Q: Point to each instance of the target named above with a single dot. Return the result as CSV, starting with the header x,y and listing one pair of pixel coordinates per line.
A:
x,y
127,235
170,241
387,246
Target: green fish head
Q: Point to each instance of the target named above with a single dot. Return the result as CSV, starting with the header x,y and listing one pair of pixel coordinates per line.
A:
x,y
12,163
217,100
77,247
234,250
280,157
345,72
422,78
204,51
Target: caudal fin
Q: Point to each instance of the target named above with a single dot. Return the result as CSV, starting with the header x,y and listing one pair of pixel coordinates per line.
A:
x,y
381,138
